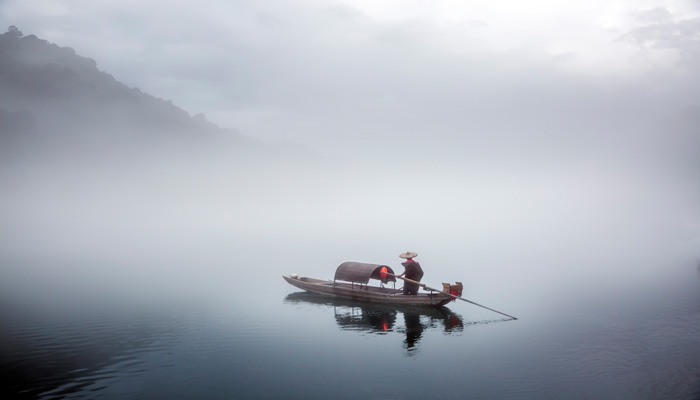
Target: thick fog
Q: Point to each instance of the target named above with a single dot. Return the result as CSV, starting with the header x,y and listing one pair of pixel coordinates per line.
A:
x,y
193,229
523,158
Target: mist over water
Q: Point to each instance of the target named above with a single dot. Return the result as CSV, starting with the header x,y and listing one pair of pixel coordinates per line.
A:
x,y
142,260
156,222
194,245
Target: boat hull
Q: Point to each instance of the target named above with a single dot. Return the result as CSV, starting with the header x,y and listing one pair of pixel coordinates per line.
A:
x,y
372,294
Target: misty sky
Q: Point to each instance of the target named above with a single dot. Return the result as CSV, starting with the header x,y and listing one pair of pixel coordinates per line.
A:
x,y
420,79
398,73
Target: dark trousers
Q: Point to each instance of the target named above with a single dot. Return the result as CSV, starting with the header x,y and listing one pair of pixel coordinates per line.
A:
x,y
410,288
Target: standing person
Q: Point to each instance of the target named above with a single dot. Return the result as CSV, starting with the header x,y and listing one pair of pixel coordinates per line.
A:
x,y
412,271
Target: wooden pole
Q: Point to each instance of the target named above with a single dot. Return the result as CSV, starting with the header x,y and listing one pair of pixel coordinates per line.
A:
x,y
449,294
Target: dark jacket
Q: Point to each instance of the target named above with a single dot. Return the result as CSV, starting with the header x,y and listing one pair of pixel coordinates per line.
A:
x,y
413,272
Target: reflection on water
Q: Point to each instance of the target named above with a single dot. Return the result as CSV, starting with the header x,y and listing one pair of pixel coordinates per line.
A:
x,y
382,319
316,347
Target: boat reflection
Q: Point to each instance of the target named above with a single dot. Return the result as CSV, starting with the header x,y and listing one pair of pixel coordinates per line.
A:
x,y
382,319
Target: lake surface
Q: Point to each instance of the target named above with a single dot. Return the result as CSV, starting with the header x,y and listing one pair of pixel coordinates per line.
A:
x,y
166,283
264,339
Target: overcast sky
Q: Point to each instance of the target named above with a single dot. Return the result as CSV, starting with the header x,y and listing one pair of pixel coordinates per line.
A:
x,y
334,73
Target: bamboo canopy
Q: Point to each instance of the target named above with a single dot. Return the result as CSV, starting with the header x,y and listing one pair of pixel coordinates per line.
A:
x,y
361,273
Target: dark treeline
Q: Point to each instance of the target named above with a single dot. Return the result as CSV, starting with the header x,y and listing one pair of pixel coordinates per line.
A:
x,y
56,103
52,86
52,99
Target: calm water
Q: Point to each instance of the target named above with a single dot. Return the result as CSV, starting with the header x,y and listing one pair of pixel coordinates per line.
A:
x,y
169,285
268,340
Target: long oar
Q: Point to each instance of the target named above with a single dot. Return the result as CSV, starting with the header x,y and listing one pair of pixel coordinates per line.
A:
x,y
449,294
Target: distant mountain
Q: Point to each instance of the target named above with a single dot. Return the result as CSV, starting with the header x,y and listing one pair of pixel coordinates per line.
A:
x,y
52,92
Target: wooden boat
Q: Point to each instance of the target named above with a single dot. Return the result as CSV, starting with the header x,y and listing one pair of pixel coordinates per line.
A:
x,y
352,279
378,318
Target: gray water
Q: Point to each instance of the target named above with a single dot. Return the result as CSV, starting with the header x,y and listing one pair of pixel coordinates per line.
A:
x,y
266,340
155,283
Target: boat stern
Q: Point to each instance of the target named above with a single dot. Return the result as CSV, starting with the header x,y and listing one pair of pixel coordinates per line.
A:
x,y
453,290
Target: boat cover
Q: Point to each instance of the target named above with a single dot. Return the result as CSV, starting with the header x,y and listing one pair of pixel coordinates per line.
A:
x,y
362,273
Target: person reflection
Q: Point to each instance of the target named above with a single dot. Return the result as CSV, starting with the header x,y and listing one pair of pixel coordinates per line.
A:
x,y
414,330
